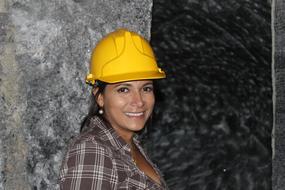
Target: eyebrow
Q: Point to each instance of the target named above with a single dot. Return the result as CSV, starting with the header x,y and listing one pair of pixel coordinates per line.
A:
x,y
122,85
148,83
127,84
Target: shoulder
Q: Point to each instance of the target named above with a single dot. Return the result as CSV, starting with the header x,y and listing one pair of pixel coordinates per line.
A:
x,y
89,144
88,160
87,156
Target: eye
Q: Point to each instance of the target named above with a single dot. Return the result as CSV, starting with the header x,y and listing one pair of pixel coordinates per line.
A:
x,y
123,90
148,89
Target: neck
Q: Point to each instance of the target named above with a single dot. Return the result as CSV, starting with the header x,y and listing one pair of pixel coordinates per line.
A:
x,y
126,135
128,138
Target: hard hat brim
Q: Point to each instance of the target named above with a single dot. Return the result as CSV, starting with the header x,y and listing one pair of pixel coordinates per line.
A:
x,y
133,76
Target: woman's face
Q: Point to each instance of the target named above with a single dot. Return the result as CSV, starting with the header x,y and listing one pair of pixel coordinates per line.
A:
x,y
127,105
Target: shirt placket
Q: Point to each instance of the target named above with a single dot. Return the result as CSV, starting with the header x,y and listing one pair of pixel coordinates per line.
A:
x,y
153,166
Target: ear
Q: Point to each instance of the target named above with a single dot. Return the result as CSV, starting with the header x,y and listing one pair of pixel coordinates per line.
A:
x,y
100,98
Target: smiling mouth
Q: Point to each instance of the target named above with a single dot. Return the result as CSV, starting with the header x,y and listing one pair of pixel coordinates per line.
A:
x,y
134,114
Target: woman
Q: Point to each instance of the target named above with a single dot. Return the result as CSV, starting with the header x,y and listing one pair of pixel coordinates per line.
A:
x,y
107,154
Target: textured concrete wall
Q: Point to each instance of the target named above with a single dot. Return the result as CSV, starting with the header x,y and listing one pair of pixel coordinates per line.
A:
x,y
44,52
278,26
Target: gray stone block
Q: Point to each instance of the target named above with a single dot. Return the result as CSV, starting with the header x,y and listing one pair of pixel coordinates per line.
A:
x,y
278,169
44,51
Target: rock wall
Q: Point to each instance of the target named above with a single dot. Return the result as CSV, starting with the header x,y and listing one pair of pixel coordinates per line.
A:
x,y
215,121
278,23
44,55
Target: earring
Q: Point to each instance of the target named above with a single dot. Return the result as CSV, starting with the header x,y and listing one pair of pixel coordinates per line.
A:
x,y
101,111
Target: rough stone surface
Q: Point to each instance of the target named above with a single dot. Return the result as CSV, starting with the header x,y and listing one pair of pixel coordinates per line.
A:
x,y
215,121
279,95
44,51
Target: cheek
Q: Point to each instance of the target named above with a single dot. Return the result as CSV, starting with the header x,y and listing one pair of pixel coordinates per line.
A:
x,y
115,103
151,101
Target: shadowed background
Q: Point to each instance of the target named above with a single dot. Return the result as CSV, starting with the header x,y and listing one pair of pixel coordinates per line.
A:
x,y
215,120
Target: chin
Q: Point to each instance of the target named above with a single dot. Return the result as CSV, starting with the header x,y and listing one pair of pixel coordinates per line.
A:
x,y
136,128
135,125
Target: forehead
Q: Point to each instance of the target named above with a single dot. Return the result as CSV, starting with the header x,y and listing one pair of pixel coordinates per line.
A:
x,y
133,83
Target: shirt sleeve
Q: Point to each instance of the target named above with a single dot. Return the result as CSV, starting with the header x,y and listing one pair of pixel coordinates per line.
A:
x,y
87,166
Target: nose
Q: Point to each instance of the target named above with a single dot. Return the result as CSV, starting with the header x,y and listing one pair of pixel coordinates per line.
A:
x,y
137,99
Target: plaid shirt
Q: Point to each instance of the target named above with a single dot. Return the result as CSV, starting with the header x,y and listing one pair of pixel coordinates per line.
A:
x,y
100,159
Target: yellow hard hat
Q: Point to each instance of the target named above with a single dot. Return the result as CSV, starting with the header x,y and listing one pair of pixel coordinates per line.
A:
x,y
123,56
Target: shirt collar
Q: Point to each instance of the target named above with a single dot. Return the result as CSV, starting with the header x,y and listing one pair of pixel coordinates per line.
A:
x,y
107,133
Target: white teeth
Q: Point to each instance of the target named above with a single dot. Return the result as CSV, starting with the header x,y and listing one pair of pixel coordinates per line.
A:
x,y
134,114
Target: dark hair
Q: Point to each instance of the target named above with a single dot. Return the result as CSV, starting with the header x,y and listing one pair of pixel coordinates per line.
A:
x,y
94,107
